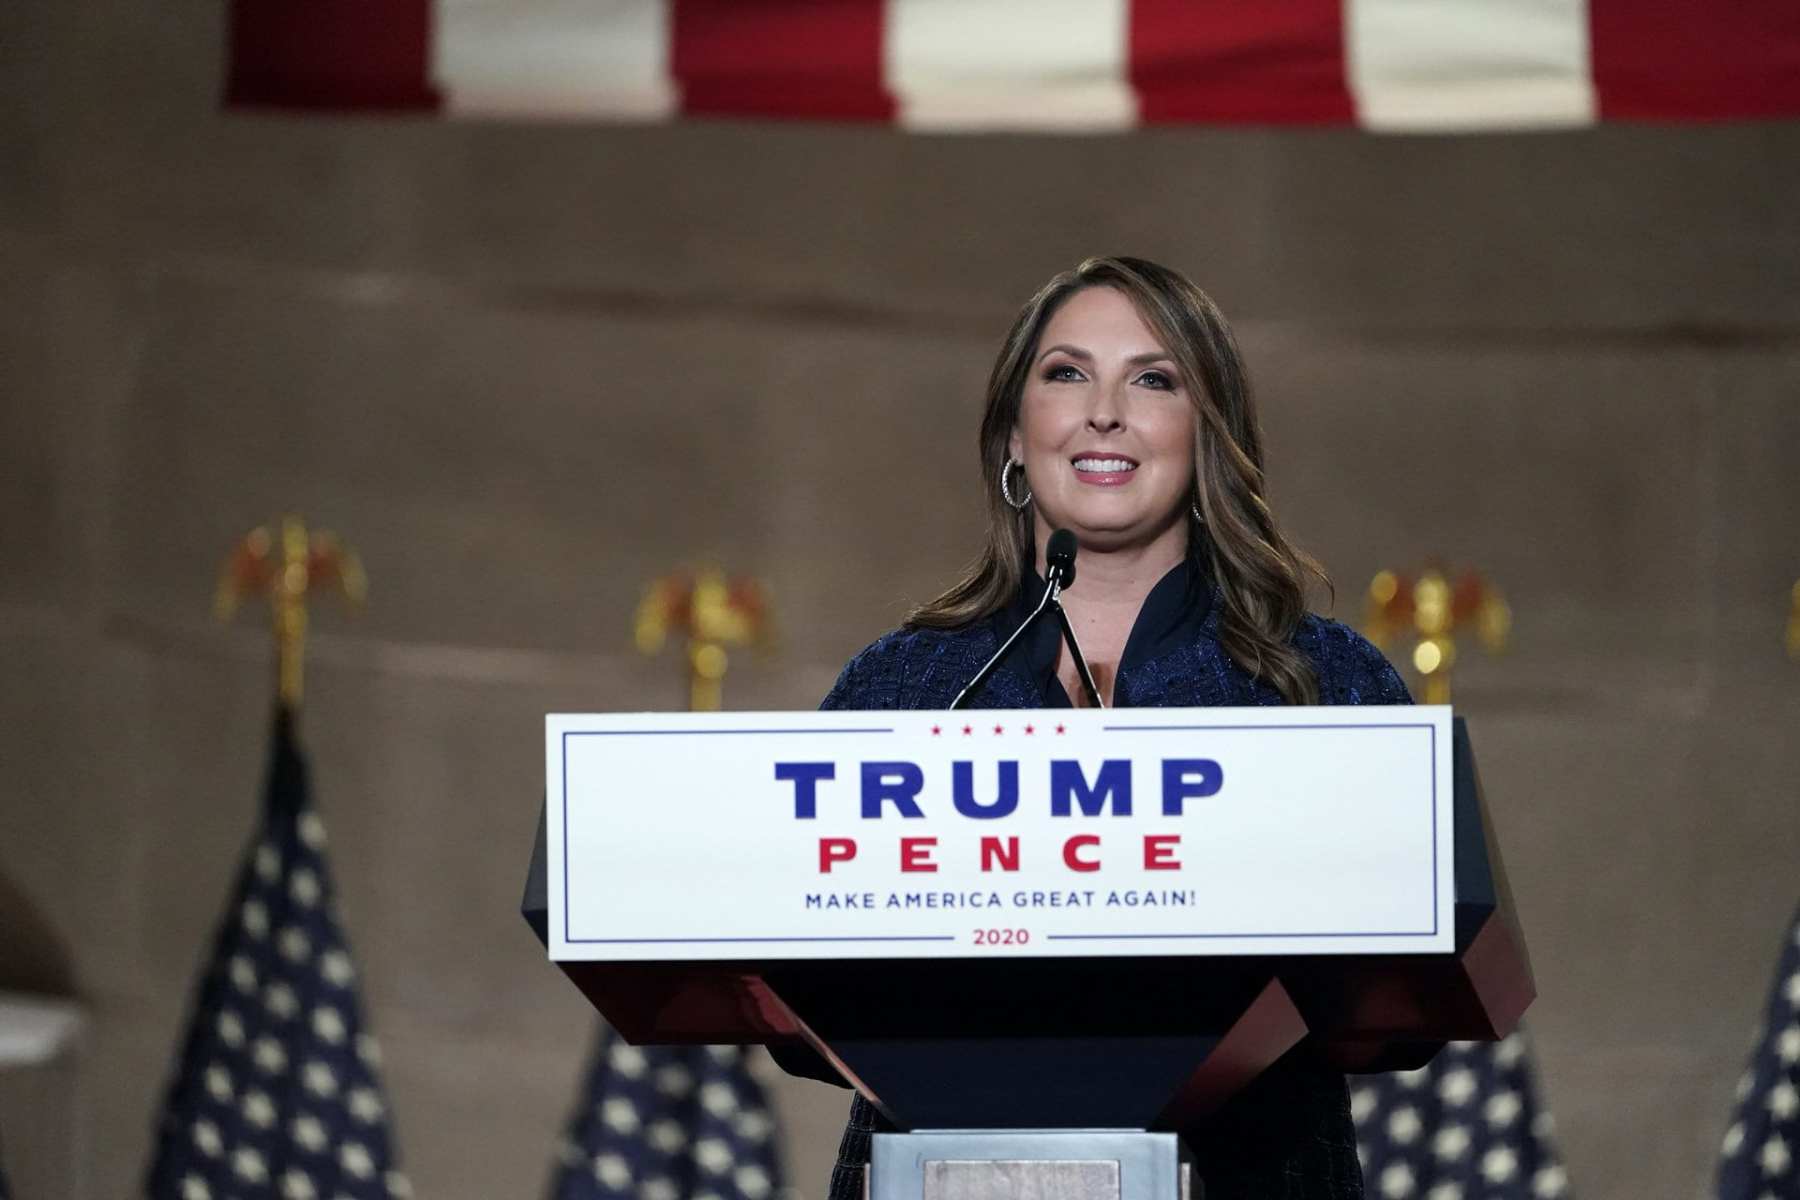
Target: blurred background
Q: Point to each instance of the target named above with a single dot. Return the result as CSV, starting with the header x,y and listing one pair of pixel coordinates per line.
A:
x,y
526,366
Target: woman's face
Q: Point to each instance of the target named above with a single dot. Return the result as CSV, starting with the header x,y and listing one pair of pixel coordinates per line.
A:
x,y
1106,425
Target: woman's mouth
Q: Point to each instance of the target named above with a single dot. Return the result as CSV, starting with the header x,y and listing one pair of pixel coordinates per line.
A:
x,y
1103,470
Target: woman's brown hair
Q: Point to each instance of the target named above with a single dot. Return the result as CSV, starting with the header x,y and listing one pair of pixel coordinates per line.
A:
x,y
1260,575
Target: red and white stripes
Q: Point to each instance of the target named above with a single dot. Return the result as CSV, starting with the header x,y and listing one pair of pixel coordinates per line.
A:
x,y
1009,64
1053,65
1472,64
569,58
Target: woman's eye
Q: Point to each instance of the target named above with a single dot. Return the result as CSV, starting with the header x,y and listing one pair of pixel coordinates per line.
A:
x,y
1063,372
1157,379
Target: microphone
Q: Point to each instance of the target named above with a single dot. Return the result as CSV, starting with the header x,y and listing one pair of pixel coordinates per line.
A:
x,y
1059,567
1059,555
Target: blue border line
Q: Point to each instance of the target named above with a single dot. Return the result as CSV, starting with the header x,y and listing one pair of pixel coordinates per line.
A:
x,y
1260,728
565,837
1434,830
569,733
1130,937
1430,727
935,937
1431,765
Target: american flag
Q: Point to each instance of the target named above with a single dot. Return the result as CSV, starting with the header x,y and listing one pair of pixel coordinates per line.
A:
x,y
668,1123
276,1094
1758,1160
1093,66
1466,1127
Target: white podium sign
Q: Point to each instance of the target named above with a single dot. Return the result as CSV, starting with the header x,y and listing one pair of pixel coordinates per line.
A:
x,y
1051,833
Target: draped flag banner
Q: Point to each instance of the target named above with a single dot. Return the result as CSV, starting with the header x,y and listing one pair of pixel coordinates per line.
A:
x,y
276,1095
1761,1156
1054,65
1468,1125
668,1123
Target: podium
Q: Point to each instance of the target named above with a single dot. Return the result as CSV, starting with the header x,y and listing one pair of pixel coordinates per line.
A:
x,y
1070,1070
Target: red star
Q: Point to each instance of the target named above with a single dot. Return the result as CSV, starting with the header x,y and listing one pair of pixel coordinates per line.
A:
x,y
1059,729
967,731
1029,729
936,729
999,729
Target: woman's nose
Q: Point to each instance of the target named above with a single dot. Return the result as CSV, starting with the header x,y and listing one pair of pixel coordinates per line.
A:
x,y
1105,414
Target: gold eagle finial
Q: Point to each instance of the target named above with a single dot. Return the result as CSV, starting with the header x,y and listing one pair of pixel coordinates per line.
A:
x,y
286,572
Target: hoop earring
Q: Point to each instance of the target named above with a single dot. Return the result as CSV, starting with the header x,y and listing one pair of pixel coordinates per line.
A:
x,y
1194,507
1006,483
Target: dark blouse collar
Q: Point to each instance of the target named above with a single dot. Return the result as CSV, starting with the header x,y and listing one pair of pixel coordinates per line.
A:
x,y
1174,615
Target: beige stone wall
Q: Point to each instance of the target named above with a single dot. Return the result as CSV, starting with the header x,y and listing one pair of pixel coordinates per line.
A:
x,y
526,368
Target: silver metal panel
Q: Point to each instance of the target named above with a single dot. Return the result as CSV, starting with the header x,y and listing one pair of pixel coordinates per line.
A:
x,y
1021,1179
1028,1164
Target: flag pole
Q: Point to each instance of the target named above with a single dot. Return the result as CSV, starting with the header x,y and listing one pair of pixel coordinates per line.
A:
x,y
276,1086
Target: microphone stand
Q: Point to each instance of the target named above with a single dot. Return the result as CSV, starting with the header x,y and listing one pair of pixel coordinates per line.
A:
x,y
1081,667
1050,601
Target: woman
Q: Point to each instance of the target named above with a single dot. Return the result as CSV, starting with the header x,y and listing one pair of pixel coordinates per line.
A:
x,y
1119,409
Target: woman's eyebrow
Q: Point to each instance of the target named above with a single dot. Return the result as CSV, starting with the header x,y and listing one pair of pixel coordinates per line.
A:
x,y
1149,356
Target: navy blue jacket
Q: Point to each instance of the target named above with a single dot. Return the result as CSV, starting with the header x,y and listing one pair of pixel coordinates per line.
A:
x,y
1288,1136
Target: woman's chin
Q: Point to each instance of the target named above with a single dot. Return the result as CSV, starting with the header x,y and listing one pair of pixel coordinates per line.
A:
x,y
1107,532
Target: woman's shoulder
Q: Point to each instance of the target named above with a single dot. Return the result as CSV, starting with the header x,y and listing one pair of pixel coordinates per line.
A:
x,y
1350,668
909,666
